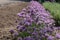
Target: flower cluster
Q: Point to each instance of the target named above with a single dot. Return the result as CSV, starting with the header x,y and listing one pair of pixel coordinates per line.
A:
x,y
38,13
35,24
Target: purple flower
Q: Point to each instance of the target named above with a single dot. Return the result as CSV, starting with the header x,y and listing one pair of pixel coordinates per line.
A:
x,y
58,35
46,35
50,38
11,31
19,38
58,28
18,26
28,38
34,33
49,29
22,14
16,34
24,10
27,23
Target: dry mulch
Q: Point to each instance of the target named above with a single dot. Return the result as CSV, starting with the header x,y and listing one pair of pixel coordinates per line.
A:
x,y
8,17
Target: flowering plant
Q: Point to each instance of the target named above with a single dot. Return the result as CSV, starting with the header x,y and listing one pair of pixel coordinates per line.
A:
x,y
36,24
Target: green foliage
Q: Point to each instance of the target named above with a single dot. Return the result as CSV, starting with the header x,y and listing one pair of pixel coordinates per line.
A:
x,y
24,34
38,25
57,0
54,9
41,1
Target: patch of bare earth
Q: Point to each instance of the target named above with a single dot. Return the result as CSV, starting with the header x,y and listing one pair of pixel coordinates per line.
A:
x,y
8,17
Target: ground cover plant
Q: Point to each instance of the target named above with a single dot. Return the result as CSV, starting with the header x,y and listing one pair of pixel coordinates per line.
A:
x,y
36,24
54,9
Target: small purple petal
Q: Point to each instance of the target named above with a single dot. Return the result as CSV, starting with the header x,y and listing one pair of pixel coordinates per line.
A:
x,y
58,35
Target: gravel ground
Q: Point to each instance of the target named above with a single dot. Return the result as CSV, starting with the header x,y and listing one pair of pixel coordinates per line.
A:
x,y
8,16
4,1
